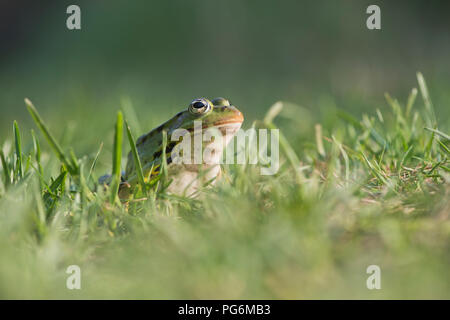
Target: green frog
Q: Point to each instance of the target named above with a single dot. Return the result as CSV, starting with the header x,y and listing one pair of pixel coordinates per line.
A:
x,y
187,176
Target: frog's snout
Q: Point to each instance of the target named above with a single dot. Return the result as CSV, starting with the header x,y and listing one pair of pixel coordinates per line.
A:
x,y
235,114
238,114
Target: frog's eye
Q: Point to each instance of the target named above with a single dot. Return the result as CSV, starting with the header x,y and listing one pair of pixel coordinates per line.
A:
x,y
199,106
222,102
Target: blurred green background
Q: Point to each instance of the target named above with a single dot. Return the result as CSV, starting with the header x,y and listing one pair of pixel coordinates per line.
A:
x,y
161,54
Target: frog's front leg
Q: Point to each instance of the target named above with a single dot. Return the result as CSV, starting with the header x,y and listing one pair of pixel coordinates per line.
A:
x,y
124,186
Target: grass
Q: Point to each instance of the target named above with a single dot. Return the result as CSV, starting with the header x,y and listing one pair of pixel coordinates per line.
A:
x,y
365,191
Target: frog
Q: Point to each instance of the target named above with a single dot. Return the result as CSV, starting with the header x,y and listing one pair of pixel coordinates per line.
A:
x,y
186,178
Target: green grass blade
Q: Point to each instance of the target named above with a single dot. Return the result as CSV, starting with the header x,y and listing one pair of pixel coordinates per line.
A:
x,y
73,169
444,147
59,182
376,171
6,169
74,161
136,159
28,164
346,159
284,144
411,100
86,194
273,112
426,98
429,145
164,156
94,163
130,114
319,140
406,156
440,133
37,156
37,147
291,155
18,172
117,157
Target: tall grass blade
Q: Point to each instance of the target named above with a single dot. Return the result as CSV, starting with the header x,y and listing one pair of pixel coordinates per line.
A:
x,y
58,182
94,163
130,114
72,167
18,172
273,112
117,157
164,157
319,141
406,156
37,156
136,159
6,169
426,99
444,147
411,100
439,133
284,144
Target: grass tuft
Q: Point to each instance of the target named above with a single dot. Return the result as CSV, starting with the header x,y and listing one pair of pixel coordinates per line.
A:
x,y
71,165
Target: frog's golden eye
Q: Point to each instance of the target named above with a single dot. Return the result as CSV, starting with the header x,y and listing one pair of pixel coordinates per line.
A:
x,y
222,102
199,106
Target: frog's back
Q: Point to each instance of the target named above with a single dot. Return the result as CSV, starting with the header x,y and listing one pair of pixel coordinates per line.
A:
x,y
149,146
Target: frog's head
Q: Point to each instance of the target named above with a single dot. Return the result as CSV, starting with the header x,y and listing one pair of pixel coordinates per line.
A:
x,y
218,113
218,118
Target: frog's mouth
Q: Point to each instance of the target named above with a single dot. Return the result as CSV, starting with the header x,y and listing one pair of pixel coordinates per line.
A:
x,y
230,125
233,120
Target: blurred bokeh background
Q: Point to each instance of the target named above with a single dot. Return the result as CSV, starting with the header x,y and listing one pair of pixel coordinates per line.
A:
x,y
159,55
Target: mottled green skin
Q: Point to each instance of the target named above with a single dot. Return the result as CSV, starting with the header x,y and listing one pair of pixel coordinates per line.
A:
x,y
149,146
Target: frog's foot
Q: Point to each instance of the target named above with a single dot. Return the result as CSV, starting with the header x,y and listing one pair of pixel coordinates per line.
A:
x,y
124,186
124,190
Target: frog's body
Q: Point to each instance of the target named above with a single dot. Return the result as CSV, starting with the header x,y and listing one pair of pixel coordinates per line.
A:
x,y
186,177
